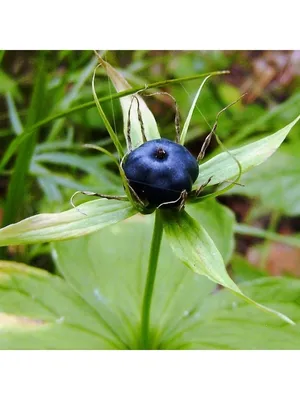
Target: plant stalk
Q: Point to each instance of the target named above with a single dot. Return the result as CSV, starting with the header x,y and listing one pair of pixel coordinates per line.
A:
x,y
275,217
152,267
243,229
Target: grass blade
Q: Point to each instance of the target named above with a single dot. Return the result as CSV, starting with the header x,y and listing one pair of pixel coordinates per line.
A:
x,y
16,189
13,115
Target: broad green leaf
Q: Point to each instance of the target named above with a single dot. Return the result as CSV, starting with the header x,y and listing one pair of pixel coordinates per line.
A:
x,y
219,221
107,270
120,276
113,278
276,183
224,167
57,317
18,322
151,130
68,224
226,322
194,247
189,117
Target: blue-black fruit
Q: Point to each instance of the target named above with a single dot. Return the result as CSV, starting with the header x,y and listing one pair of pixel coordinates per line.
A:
x,y
159,170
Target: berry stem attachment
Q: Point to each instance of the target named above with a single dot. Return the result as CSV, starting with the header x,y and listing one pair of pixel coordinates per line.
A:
x,y
152,267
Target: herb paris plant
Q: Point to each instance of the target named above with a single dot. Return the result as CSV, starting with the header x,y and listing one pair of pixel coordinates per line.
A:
x,y
189,240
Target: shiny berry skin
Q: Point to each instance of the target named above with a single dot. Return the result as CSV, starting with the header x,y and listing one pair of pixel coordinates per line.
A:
x,y
159,170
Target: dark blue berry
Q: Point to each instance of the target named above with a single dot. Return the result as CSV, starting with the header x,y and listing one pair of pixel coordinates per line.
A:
x,y
159,170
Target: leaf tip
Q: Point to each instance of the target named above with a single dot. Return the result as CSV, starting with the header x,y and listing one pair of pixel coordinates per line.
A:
x,y
286,319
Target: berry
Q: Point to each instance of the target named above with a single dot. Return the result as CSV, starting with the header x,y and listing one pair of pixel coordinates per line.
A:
x,y
159,170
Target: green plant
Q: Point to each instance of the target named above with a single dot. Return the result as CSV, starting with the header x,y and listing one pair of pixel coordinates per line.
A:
x,y
101,302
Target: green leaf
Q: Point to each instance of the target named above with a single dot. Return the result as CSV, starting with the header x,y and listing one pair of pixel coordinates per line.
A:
x,y
51,315
281,172
50,189
13,114
115,265
194,247
189,117
105,274
218,221
64,180
223,167
108,269
106,182
151,130
87,164
225,322
15,199
68,224
113,135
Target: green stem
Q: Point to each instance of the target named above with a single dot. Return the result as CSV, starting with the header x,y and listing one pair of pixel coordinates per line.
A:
x,y
242,229
152,266
275,217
